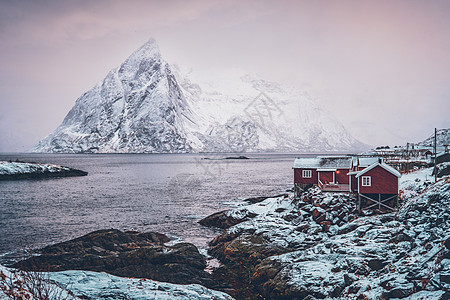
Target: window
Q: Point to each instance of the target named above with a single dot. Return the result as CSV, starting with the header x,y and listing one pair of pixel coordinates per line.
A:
x,y
307,174
366,181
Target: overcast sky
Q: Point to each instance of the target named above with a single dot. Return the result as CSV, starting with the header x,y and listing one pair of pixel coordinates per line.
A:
x,y
381,67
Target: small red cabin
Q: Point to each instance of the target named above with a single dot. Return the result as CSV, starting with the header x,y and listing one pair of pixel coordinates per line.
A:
x,y
379,178
328,172
378,187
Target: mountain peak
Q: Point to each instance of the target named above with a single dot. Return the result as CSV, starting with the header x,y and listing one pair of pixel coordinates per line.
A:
x,y
145,59
147,51
151,46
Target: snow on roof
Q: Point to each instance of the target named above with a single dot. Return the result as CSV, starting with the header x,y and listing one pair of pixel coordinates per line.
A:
x,y
384,166
367,161
306,163
441,153
323,162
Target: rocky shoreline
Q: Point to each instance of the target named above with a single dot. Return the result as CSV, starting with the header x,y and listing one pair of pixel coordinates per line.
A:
x,y
315,246
126,254
23,170
318,247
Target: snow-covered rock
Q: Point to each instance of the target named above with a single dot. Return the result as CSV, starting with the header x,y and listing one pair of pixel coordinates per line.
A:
x,y
15,284
442,169
94,285
20,170
147,105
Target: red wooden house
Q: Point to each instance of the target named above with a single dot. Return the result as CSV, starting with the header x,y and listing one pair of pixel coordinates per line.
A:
x,y
375,182
359,164
328,172
377,186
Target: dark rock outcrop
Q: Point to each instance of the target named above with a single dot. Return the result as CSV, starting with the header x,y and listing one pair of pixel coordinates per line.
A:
x,y
129,254
223,220
254,200
41,174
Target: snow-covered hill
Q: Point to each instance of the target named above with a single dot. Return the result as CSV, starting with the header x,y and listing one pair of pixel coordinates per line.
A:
x,y
442,138
147,105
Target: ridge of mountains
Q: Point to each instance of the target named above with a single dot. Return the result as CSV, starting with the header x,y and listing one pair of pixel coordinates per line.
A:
x,y
147,105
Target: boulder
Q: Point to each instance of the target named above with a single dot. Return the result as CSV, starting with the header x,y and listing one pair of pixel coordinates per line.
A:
x,y
447,243
400,291
128,254
223,220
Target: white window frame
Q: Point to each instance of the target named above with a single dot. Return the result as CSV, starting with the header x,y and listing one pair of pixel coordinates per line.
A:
x,y
366,181
307,174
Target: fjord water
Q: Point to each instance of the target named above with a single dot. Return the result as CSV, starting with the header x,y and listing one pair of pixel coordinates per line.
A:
x,y
166,193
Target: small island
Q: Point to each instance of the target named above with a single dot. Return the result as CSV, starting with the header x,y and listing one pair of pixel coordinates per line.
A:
x,y
22,170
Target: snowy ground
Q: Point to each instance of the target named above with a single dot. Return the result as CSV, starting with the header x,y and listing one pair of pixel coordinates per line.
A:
x,y
414,183
94,285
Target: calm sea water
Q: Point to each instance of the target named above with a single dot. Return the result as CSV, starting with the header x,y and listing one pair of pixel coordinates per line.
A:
x,y
167,193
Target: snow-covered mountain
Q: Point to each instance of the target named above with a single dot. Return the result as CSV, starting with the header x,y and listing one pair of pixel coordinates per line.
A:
x,y
442,138
149,106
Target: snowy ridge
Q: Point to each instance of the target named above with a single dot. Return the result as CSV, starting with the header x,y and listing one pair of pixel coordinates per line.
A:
x,y
149,106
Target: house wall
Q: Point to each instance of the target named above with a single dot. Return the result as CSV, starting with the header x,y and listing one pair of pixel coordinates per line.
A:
x,y
354,181
299,179
443,158
383,182
326,177
341,176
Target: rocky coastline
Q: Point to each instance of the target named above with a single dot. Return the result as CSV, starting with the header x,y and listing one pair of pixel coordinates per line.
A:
x,y
316,246
126,254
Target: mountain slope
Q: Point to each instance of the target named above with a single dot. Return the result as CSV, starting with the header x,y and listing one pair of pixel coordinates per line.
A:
x,y
243,113
138,107
442,138
148,106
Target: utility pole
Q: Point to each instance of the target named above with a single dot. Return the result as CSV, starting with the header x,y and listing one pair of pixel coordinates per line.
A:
x,y
407,158
435,154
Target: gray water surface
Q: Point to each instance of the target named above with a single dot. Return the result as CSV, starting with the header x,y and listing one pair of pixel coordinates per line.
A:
x,y
167,193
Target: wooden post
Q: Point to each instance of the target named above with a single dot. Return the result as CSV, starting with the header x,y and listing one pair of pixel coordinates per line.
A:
x,y
379,201
397,202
